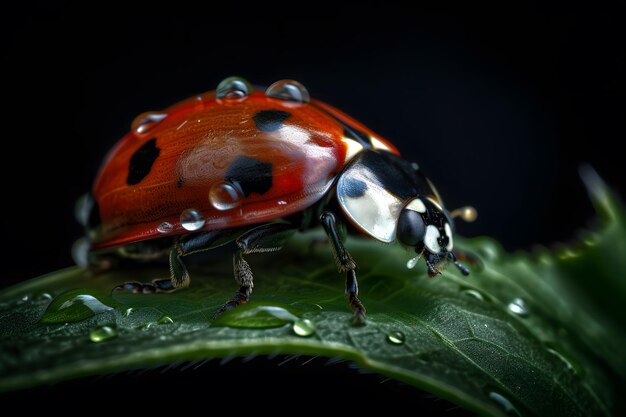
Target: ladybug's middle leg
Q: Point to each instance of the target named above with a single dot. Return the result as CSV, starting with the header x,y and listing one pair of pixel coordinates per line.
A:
x,y
266,238
346,264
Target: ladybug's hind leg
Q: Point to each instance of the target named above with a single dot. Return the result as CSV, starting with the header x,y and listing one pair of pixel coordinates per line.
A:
x,y
344,264
179,276
266,238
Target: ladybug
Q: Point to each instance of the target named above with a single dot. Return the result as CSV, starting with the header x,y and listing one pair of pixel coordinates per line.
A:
x,y
253,166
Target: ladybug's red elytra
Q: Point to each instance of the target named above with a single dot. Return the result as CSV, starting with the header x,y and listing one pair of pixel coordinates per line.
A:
x,y
253,166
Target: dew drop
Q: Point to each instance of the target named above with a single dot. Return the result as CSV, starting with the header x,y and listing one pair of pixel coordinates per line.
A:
x,y
255,316
128,312
146,121
44,296
233,87
25,298
289,90
101,334
76,305
570,365
165,320
410,264
191,219
145,326
224,196
504,403
474,294
165,227
518,307
303,327
396,337
80,252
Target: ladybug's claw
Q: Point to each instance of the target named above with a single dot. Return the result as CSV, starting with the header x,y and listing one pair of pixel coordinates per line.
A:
x,y
464,270
236,301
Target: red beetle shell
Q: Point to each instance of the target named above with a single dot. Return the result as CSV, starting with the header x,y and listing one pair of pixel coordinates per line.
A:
x,y
196,145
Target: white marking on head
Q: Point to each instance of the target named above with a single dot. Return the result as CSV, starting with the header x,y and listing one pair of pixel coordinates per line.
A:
x,y
435,203
448,230
430,239
417,205
353,148
378,144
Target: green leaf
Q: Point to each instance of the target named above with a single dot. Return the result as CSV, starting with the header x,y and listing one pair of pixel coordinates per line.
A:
x,y
531,334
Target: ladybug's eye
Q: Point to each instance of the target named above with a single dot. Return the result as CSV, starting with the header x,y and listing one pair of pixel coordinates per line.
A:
x,y
411,227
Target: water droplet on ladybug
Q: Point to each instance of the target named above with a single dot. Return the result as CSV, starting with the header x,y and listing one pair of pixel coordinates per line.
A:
x,y
411,263
165,227
191,219
82,209
101,334
224,196
233,87
288,90
396,338
303,327
146,121
518,307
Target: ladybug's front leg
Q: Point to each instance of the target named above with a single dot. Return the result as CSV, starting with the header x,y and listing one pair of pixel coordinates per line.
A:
x,y
266,238
344,264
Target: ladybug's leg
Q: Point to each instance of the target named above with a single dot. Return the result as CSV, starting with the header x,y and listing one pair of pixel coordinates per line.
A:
x,y
344,264
266,238
179,276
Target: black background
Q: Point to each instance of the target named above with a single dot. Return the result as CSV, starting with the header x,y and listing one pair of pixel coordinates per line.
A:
x,y
499,104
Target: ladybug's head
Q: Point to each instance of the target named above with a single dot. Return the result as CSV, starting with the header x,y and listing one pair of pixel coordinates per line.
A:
x,y
428,227
390,199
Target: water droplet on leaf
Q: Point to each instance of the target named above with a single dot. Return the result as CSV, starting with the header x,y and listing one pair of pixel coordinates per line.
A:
x,y
128,312
77,305
303,327
504,403
191,219
224,196
396,337
146,121
255,316
474,294
165,320
101,334
570,364
518,307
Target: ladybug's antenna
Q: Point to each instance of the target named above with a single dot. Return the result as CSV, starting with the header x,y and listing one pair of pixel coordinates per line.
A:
x,y
467,213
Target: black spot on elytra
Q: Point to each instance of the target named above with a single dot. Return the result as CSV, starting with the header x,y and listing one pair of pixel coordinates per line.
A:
x,y
141,162
354,188
179,183
357,135
270,120
94,219
250,174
